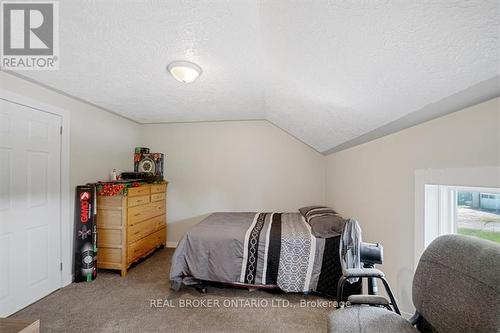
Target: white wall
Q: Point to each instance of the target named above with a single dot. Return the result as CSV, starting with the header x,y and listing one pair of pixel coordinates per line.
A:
x,y
375,182
99,140
234,166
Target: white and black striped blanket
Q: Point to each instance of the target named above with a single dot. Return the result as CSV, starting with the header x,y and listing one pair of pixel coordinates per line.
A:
x,y
257,249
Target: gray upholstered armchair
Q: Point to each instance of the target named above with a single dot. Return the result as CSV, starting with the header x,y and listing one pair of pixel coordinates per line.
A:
x,y
456,288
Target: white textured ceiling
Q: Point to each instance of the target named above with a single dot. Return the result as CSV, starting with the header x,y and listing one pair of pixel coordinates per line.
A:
x,y
325,71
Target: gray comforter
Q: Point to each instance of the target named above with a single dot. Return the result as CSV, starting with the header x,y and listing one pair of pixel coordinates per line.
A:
x,y
251,248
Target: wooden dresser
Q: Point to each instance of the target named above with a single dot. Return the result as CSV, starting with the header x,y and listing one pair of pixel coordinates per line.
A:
x,y
130,225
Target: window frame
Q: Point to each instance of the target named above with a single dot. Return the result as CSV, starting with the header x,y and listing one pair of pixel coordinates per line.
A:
x,y
441,208
479,177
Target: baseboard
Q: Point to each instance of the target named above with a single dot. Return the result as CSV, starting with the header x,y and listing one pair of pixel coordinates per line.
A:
x,y
172,244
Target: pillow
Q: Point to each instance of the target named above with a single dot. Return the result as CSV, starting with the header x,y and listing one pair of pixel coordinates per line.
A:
x,y
316,211
304,210
327,226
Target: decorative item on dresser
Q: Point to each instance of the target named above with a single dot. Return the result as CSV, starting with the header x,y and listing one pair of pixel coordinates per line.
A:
x,y
131,223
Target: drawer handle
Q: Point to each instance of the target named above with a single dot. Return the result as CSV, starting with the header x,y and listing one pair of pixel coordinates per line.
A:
x,y
137,232
137,214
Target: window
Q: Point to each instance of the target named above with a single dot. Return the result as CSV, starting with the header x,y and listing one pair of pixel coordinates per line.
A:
x,y
479,216
437,195
462,210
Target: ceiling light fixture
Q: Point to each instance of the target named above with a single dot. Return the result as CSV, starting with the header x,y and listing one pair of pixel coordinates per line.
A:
x,y
184,71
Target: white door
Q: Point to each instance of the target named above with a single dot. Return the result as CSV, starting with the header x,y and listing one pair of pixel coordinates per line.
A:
x,y
30,205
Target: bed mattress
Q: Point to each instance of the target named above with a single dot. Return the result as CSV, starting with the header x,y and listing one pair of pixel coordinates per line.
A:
x,y
258,249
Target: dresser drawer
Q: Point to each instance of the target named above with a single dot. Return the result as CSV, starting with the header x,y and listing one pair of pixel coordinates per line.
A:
x,y
160,221
143,229
158,197
140,190
161,236
136,201
157,208
136,249
159,188
144,212
138,214
146,244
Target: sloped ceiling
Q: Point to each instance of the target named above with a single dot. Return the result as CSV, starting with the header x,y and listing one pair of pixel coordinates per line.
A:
x,y
325,71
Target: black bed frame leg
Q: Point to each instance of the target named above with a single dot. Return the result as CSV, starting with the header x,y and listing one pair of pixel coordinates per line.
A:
x,y
202,288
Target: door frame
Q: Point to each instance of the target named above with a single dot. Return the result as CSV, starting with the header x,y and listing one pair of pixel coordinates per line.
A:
x,y
66,218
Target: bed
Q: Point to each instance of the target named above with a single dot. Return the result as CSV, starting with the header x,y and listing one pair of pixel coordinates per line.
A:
x,y
279,250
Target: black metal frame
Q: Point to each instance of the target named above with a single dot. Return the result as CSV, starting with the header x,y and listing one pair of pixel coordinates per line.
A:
x,y
343,279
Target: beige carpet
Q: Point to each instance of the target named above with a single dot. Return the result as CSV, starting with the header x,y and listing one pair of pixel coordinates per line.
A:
x,y
115,304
